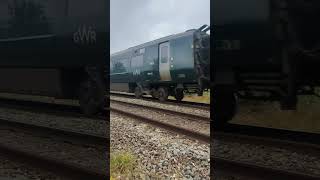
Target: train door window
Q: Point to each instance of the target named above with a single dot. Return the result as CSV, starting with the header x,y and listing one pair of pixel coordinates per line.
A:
x,y
164,65
111,66
164,54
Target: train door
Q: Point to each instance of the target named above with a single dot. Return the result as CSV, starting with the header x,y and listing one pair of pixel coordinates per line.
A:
x,y
164,63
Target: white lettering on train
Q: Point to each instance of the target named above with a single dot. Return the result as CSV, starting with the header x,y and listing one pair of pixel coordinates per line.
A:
x,y
85,35
136,72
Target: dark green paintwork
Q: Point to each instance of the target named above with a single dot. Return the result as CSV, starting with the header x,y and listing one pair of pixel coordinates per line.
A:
x,y
182,52
247,22
256,25
38,33
181,49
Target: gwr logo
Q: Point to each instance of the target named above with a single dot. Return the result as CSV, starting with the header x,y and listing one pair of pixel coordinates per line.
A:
x,y
85,36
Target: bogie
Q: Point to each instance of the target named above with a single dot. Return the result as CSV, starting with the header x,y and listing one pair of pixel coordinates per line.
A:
x,y
224,103
179,95
163,94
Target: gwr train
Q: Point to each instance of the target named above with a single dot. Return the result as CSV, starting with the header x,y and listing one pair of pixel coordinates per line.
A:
x,y
55,48
167,66
266,50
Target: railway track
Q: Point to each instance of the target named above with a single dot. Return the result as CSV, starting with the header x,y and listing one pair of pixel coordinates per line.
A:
x,y
65,110
68,169
169,101
85,138
277,137
170,127
56,165
166,111
296,141
245,170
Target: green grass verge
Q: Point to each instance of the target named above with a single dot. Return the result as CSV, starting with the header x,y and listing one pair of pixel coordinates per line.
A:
x,y
268,114
194,98
122,164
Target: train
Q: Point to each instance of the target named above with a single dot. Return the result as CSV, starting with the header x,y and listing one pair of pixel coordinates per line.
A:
x,y
263,50
169,66
55,48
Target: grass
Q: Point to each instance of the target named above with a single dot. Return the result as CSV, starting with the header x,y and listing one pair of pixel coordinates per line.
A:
x,y
266,114
122,165
194,98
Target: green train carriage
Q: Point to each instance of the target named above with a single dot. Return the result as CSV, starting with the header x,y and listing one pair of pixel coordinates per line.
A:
x,y
55,48
167,66
264,50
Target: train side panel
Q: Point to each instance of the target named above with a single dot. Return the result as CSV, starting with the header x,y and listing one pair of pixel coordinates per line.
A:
x,y
65,33
120,72
51,41
150,69
182,60
264,50
167,63
243,36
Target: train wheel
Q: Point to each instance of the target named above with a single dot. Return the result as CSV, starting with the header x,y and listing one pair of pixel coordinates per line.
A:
x,y
91,98
163,94
179,95
154,94
137,92
224,104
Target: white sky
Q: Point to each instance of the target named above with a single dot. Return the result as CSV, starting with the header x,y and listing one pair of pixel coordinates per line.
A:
x,y
133,22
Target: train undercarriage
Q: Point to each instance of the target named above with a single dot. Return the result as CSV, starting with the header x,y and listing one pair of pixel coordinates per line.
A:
x,y
85,84
164,90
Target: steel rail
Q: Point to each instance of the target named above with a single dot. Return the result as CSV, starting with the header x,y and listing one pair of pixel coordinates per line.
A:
x,y
189,133
167,111
254,171
71,170
48,108
83,137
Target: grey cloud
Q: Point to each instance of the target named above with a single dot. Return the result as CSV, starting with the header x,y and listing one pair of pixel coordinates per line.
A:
x,y
133,22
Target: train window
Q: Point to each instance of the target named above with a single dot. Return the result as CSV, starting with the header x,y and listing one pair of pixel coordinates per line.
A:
x,y
4,18
37,16
76,8
142,51
120,66
164,54
137,61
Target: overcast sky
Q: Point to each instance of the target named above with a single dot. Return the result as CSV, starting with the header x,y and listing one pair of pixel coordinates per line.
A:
x,y
133,22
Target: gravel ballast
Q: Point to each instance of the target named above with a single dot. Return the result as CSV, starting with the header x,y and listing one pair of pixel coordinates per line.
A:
x,y
86,155
285,159
13,170
191,124
84,125
50,146
160,154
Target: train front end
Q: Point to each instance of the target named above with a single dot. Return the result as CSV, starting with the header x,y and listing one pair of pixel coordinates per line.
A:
x,y
202,58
